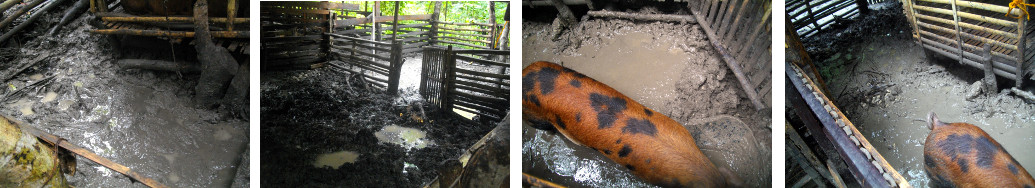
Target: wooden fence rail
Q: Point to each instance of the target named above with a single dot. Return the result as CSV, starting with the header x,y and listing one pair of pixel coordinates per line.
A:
x,y
959,29
740,32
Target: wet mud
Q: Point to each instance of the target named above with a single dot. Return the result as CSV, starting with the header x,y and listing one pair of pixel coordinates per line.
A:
x,y
321,129
668,67
886,85
144,120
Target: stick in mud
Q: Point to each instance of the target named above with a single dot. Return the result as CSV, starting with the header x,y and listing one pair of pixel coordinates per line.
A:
x,y
643,17
218,66
78,9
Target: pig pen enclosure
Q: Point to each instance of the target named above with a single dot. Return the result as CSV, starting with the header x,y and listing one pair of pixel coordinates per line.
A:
x,y
882,66
138,101
703,63
385,94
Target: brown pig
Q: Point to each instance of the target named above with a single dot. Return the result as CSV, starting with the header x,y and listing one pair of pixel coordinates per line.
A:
x,y
963,155
651,145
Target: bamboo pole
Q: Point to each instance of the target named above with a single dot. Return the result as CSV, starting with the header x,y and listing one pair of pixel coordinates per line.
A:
x,y
8,4
159,33
118,17
29,21
644,17
23,10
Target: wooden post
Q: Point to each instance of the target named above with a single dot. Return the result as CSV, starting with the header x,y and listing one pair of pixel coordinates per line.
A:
x,y
102,5
434,24
959,40
231,13
989,80
396,65
352,53
1022,65
327,42
863,6
395,22
492,19
448,64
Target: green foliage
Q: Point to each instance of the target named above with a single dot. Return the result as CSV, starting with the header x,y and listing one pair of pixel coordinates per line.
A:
x,y
452,11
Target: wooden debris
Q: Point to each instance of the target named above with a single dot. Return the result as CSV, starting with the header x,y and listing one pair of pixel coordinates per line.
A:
x,y
643,17
159,65
78,9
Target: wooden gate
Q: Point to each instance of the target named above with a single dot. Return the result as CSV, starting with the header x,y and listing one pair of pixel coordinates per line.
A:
x,y
481,86
740,32
959,29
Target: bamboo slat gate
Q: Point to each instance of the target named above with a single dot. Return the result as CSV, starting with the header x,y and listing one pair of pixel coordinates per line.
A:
x,y
740,31
353,39
959,29
483,91
361,56
810,16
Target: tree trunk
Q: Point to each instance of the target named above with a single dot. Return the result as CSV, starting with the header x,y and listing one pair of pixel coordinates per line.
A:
x,y
217,65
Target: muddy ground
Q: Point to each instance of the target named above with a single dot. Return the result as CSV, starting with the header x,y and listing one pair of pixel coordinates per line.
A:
x,y
144,120
668,67
885,84
310,113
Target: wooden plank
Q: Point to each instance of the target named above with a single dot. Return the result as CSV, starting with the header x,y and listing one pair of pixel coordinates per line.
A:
x,y
415,45
464,34
323,4
278,10
487,52
463,39
474,106
381,19
290,48
482,74
480,79
357,39
346,45
462,44
290,39
492,90
480,61
445,27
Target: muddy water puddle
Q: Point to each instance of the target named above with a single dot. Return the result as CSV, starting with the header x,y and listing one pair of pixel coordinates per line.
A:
x,y
633,62
409,138
893,117
335,160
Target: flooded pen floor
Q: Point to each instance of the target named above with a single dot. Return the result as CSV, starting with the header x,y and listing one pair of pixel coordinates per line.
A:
x,y
668,67
881,78
321,128
144,120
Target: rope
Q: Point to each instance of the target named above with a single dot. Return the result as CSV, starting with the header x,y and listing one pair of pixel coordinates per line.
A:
x,y
1019,4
